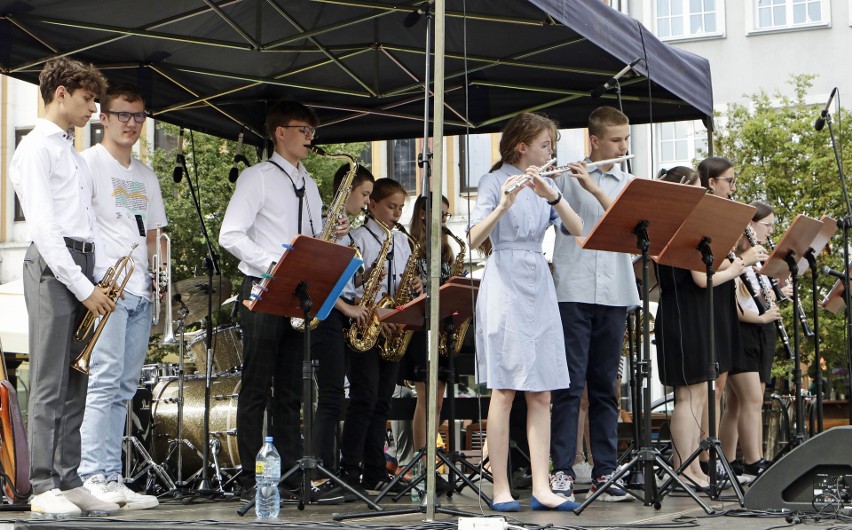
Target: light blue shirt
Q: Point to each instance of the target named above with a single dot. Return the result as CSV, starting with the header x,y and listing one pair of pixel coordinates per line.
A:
x,y
592,276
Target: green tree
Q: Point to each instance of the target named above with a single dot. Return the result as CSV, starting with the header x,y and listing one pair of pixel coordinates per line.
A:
x,y
781,160
209,161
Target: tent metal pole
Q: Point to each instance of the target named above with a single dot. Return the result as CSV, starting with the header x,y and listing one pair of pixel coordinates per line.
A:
x,y
435,243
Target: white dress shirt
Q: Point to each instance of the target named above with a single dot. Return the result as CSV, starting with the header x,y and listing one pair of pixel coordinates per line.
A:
x,y
54,185
263,213
369,238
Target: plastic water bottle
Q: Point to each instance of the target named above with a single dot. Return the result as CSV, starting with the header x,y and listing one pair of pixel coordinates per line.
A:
x,y
267,472
418,490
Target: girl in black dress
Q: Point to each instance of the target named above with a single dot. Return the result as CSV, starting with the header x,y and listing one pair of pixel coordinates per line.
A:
x,y
683,336
750,371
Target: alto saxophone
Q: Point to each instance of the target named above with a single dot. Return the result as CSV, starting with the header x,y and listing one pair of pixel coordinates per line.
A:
x,y
456,338
362,337
336,211
394,346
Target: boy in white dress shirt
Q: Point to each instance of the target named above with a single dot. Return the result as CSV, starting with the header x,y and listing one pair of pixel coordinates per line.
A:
x,y
54,186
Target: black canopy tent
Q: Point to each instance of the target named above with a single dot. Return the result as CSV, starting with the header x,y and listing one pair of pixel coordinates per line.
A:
x,y
214,66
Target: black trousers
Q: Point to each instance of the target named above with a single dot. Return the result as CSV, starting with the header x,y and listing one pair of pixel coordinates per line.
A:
x,y
272,351
371,384
329,351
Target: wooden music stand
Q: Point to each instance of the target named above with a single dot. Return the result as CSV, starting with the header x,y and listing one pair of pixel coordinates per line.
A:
x,y
712,229
834,301
456,304
308,269
784,262
327,265
645,215
794,244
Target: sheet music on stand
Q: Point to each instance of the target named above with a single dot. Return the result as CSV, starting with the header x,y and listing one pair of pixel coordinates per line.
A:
x,y
326,277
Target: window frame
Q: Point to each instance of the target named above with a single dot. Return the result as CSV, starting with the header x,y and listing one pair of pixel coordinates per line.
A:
x,y
416,145
720,32
18,209
696,130
752,18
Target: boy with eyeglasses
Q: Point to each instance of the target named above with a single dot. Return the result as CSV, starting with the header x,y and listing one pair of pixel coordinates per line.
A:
x,y
54,186
273,201
128,207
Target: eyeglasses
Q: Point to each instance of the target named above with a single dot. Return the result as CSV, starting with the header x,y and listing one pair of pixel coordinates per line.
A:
x,y
304,129
729,180
769,226
124,117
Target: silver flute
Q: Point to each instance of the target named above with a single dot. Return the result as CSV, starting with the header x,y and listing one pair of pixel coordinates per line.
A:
x,y
563,169
520,182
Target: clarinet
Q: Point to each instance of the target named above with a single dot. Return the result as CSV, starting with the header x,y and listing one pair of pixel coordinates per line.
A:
x,y
779,325
762,306
806,329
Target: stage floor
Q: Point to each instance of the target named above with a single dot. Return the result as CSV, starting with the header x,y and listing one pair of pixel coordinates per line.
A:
x,y
203,514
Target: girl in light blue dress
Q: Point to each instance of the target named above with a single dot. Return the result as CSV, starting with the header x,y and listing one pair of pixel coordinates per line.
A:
x,y
519,340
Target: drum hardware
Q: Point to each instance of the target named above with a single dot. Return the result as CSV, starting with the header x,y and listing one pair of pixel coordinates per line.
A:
x,y
177,443
227,350
224,396
136,455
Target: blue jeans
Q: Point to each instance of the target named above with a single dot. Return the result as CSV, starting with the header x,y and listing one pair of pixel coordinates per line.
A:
x,y
114,377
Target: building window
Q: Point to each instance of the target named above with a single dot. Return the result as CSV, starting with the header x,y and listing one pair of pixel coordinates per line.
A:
x,y
769,15
680,19
163,140
96,133
474,160
680,143
365,158
19,212
402,163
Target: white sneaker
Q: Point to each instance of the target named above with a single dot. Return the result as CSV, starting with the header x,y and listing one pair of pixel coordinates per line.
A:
x,y
583,473
135,501
89,504
53,505
98,487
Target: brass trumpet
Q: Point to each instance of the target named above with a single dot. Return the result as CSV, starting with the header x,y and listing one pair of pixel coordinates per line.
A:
x,y
86,332
163,280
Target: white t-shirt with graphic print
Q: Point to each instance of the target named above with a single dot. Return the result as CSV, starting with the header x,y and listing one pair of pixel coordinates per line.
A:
x,y
127,203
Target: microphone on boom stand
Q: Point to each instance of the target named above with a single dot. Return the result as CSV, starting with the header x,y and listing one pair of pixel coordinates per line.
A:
x,y
820,122
177,174
234,173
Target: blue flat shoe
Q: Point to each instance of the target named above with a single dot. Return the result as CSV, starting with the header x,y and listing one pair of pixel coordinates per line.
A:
x,y
508,506
567,506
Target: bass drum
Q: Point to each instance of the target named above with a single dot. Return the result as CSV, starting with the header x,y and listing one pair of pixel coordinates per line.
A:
x,y
227,347
224,391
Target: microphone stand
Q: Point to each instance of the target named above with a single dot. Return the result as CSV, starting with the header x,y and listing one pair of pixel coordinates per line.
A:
x,y
211,262
621,108
844,224
812,264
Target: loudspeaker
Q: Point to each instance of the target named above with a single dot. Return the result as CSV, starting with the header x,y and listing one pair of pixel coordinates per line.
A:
x,y
817,470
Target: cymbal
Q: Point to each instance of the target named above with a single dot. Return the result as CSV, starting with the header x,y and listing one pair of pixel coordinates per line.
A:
x,y
193,293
